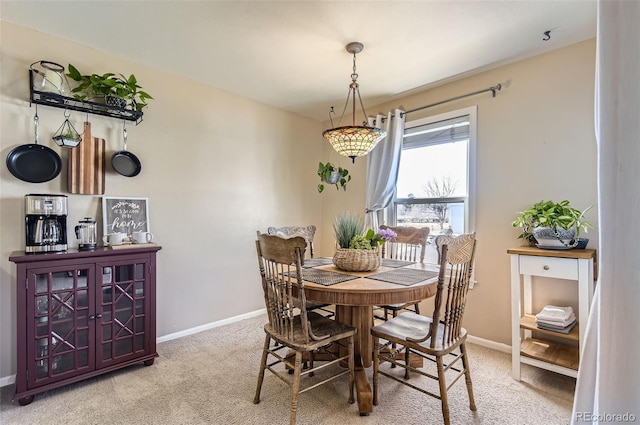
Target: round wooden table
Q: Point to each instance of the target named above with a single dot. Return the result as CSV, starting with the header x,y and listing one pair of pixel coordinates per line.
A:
x,y
355,299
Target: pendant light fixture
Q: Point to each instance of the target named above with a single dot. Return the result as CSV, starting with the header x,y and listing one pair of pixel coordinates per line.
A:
x,y
354,140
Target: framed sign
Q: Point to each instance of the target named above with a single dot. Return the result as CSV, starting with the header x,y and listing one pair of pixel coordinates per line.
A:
x,y
125,215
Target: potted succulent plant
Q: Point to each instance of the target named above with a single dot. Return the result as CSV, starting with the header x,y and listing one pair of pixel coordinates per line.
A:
x,y
117,90
549,224
331,174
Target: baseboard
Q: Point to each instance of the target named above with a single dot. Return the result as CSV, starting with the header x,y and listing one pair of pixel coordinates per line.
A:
x,y
9,380
211,325
498,346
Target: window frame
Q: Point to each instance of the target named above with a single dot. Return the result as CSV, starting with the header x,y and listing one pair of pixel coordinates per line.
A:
x,y
470,200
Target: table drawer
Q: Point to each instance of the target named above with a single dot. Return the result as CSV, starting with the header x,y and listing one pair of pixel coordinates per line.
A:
x,y
561,268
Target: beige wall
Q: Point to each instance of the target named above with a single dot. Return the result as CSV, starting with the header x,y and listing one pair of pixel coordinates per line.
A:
x,y
216,167
212,169
536,141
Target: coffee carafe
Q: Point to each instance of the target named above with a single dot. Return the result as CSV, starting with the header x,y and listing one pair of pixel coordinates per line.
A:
x,y
87,234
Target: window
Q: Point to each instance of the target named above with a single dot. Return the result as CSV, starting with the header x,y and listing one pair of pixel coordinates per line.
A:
x,y
436,175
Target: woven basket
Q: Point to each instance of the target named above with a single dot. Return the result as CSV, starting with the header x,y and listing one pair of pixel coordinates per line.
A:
x,y
356,260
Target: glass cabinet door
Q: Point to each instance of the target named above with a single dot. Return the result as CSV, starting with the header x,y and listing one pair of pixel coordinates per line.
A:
x,y
123,301
60,340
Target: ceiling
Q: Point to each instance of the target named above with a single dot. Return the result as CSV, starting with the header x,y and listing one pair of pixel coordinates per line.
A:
x,y
291,54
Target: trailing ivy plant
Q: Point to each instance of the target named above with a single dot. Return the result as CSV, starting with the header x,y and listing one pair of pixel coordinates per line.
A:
x,y
109,84
556,215
331,174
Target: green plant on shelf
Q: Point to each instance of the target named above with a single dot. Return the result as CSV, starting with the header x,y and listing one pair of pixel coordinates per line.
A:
x,y
95,86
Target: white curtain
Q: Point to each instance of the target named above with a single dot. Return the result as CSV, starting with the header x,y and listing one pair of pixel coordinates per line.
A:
x,y
608,386
382,166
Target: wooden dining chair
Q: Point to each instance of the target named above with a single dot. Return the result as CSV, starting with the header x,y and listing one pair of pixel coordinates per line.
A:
x,y
308,233
292,327
434,338
410,245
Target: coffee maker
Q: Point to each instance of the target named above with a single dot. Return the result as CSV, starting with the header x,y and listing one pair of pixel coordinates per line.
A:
x,y
46,223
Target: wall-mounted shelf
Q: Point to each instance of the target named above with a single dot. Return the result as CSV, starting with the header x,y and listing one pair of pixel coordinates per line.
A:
x,y
58,101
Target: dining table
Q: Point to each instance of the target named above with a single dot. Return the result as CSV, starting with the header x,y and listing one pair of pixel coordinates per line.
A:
x,y
355,294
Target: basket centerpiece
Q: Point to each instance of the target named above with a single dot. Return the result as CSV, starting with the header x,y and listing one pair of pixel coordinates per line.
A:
x,y
357,251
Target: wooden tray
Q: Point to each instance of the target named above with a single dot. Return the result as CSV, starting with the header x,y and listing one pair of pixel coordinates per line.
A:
x,y
131,245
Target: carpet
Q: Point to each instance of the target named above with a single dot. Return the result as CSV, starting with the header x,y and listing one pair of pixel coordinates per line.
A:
x,y
210,378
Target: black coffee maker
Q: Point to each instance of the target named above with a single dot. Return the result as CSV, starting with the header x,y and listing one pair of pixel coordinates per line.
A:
x,y
46,223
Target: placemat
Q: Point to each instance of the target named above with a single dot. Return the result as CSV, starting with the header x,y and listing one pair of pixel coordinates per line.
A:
x,y
389,262
404,277
315,262
323,277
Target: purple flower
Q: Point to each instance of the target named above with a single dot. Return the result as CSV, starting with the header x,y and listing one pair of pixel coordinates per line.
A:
x,y
380,237
387,234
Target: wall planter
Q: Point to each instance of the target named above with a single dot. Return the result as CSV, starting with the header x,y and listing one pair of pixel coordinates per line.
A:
x,y
330,174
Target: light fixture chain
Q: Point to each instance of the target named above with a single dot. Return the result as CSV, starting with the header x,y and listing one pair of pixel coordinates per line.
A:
x,y
354,76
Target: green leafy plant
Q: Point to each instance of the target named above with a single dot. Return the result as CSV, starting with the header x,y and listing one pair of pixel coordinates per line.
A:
x,y
346,226
331,174
360,242
372,239
550,214
109,84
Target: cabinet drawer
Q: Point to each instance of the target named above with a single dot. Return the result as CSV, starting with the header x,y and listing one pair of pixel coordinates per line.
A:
x,y
561,268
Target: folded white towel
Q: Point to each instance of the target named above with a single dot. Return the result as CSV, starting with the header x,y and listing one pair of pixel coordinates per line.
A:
x,y
551,312
564,330
556,322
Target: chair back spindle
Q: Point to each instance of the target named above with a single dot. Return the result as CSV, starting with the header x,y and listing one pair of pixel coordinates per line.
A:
x,y
410,244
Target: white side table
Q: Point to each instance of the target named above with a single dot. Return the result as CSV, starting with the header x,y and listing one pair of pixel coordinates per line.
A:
x,y
550,354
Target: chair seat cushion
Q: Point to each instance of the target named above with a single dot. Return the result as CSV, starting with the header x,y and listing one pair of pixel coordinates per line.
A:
x,y
320,326
416,326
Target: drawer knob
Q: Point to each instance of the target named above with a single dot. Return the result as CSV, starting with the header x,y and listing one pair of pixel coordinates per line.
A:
x,y
545,267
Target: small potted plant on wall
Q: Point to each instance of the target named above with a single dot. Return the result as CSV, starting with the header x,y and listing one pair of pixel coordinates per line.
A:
x,y
552,225
116,90
330,174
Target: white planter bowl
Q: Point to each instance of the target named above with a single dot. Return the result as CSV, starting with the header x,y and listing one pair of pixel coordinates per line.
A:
x,y
549,238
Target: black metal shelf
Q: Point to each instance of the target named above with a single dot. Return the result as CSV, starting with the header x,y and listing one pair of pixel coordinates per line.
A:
x,y
58,101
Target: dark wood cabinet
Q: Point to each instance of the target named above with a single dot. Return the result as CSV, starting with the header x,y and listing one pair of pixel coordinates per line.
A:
x,y
82,314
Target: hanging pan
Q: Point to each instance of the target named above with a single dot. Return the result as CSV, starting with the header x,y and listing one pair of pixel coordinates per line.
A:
x,y
34,163
125,162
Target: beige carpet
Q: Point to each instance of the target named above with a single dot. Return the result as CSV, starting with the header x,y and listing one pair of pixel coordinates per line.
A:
x,y
210,378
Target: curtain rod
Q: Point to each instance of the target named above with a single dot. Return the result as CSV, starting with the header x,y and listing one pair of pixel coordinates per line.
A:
x,y
493,90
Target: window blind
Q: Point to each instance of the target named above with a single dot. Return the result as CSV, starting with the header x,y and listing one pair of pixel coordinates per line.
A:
x,y
447,131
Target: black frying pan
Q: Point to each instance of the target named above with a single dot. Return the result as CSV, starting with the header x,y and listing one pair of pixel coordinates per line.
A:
x,y
34,163
125,162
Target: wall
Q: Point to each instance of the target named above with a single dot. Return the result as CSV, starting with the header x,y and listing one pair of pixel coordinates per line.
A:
x,y
536,141
216,167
